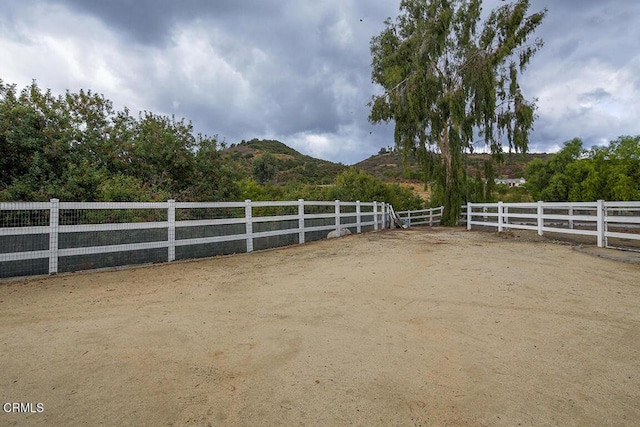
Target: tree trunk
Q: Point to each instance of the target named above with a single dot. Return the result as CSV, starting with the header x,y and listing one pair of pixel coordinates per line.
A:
x,y
449,182
452,198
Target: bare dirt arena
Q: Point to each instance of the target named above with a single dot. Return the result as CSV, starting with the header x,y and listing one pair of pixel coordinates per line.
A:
x,y
417,327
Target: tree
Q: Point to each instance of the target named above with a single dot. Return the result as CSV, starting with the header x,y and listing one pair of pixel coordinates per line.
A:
x,y
33,141
490,183
77,147
163,150
548,180
618,168
216,174
448,78
574,174
265,168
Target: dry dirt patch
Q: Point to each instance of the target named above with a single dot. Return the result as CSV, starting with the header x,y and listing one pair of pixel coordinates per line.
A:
x,y
405,327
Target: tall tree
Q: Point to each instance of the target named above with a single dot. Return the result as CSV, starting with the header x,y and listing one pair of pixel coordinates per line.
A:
x,y
449,77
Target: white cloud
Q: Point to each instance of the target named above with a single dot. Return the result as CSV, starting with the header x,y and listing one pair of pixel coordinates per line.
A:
x,y
596,101
317,145
341,33
78,52
350,141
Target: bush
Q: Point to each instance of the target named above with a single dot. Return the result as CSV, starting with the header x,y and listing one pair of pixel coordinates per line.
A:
x,y
265,168
355,185
124,188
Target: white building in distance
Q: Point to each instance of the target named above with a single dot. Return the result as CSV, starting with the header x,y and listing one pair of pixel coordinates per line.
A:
x,y
511,182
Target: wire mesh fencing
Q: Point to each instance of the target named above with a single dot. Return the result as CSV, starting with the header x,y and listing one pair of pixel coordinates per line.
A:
x,y
54,237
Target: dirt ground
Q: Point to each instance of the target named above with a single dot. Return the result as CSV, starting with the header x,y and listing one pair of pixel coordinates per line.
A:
x,y
417,327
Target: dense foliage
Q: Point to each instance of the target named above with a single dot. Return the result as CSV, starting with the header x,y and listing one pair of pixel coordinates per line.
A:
x,y
358,185
350,186
449,77
574,174
76,147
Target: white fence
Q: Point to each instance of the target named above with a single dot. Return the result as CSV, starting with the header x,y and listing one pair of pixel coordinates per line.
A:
x,y
36,238
603,220
430,216
52,237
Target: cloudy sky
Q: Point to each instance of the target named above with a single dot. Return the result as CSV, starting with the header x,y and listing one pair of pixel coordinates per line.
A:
x,y
299,70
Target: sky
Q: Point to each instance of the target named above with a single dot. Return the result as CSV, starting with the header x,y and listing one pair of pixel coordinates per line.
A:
x,y
299,71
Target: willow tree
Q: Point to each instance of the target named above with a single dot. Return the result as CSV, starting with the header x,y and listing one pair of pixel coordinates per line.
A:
x,y
451,77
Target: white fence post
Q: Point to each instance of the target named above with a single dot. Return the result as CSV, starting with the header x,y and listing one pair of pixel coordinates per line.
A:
x,y
571,219
540,218
624,215
54,220
384,215
249,225
375,216
500,218
171,233
301,221
605,213
409,219
600,224
505,221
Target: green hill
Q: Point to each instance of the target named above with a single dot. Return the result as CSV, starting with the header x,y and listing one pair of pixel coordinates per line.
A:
x,y
292,165
387,165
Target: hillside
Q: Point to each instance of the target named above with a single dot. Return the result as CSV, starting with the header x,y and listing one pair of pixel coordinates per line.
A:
x,y
511,166
295,167
292,165
388,165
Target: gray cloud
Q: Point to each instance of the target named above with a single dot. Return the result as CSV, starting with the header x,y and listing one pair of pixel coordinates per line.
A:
x,y
150,22
300,71
596,95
